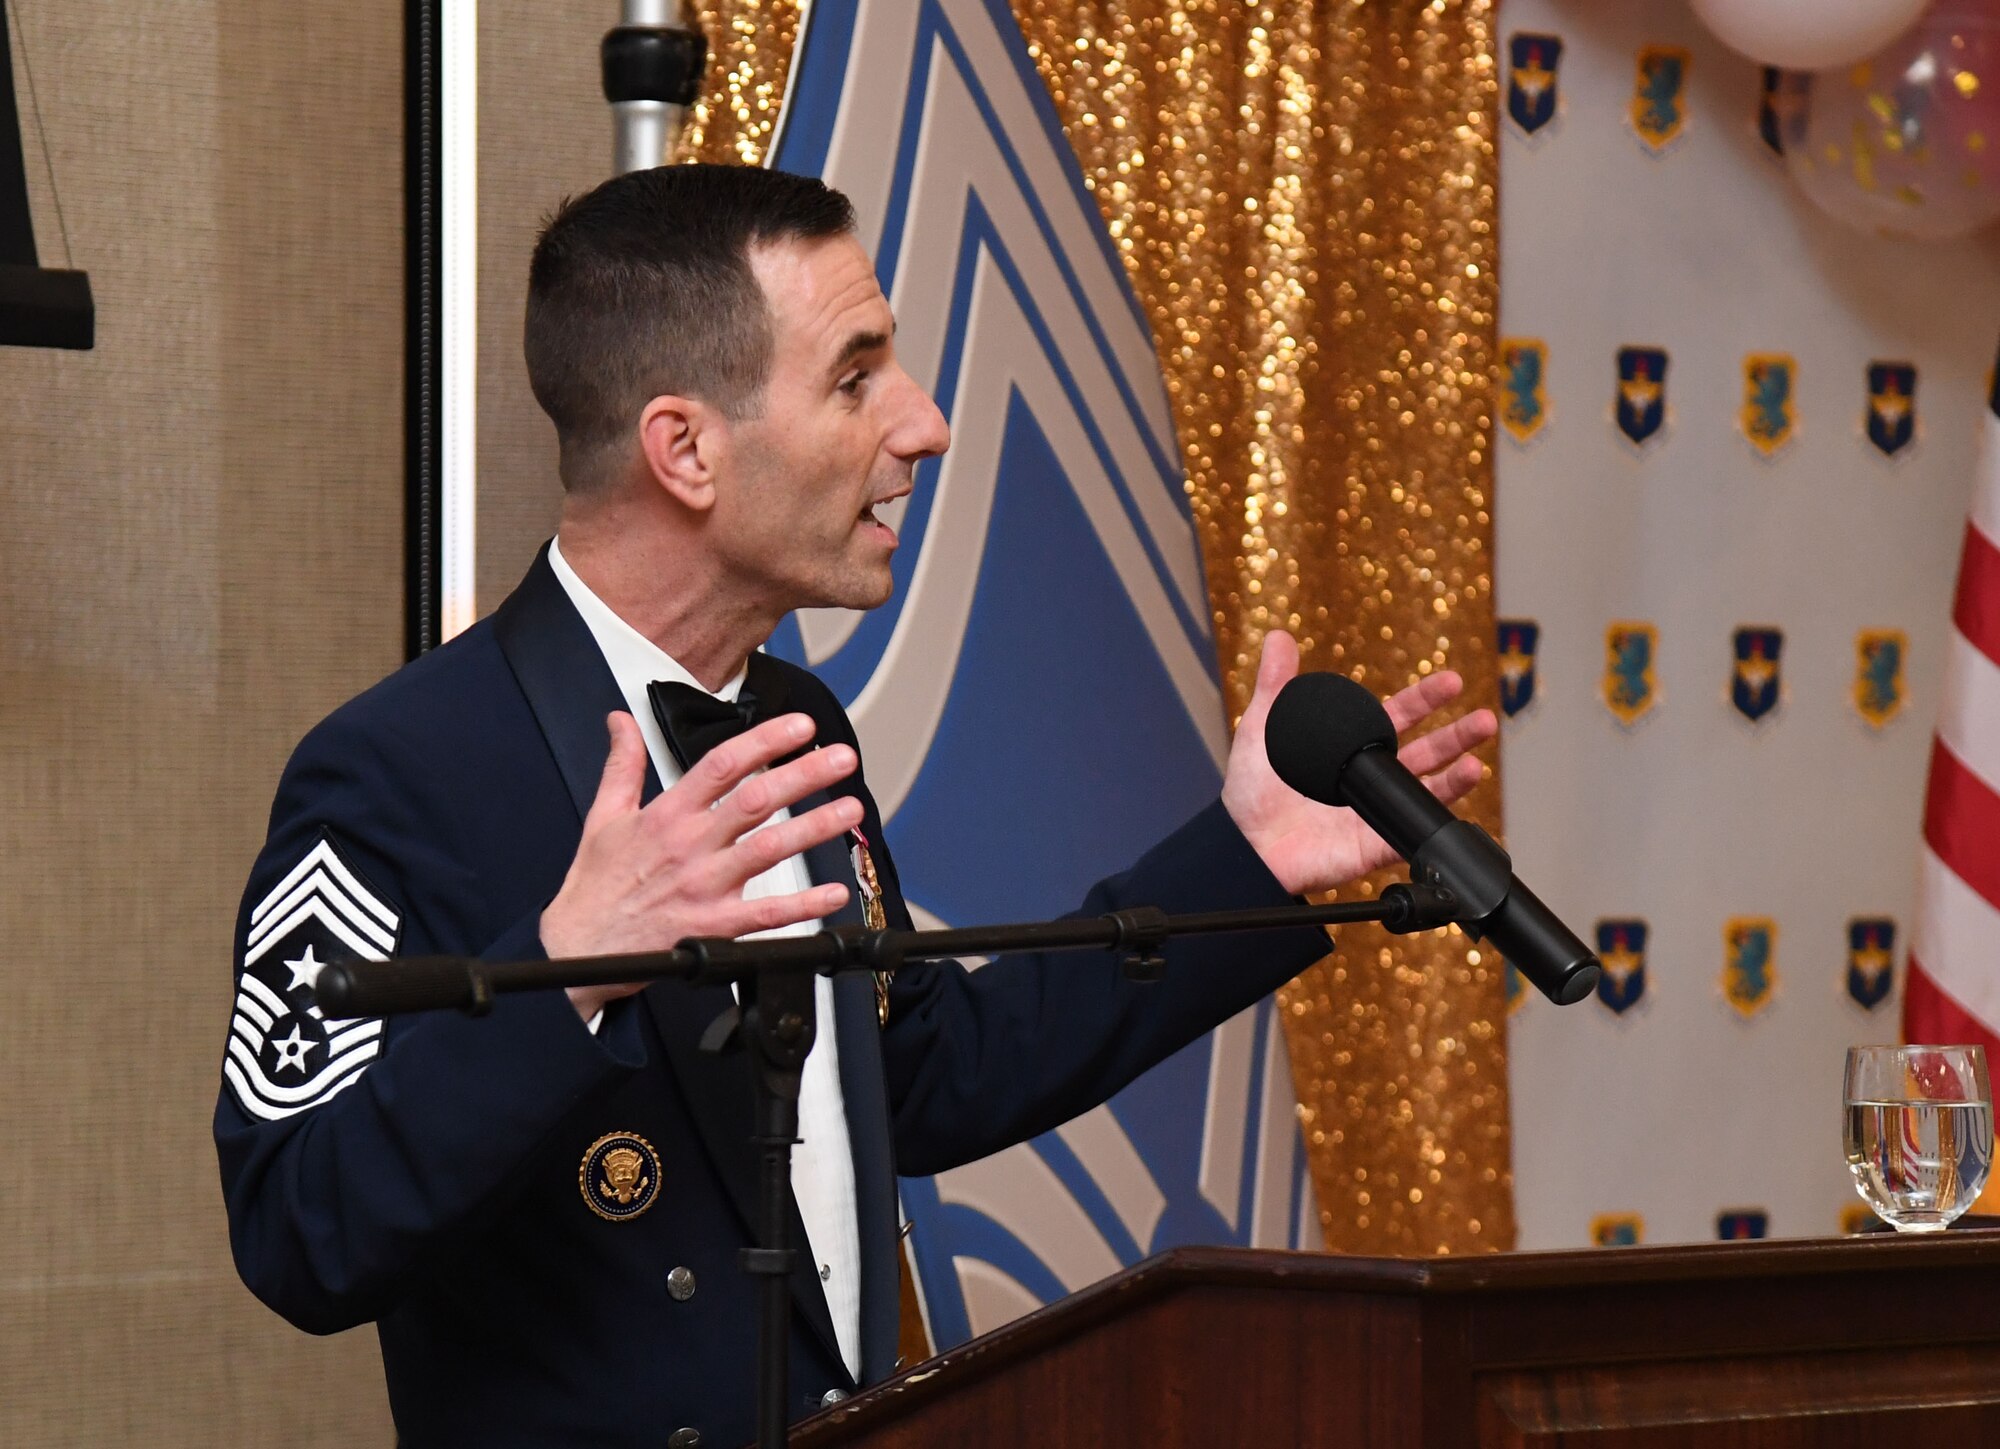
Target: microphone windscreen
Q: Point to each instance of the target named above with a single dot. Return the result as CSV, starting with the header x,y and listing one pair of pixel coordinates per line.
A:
x,y
1317,724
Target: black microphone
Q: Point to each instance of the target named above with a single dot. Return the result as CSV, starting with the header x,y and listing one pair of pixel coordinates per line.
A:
x,y
1331,740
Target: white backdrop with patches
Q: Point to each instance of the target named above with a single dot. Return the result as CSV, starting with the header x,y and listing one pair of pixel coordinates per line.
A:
x,y
1682,1108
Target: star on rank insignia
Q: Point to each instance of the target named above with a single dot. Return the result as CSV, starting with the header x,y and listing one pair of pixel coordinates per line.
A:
x,y
1878,674
1891,420
1518,640
1629,686
620,1176
1756,679
1659,96
1871,960
1749,963
1617,1230
1640,404
1738,1225
1532,94
284,1055
1524,406
1621,950
1767,414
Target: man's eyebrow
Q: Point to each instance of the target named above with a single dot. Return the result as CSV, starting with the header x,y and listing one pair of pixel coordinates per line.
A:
x,y
859,343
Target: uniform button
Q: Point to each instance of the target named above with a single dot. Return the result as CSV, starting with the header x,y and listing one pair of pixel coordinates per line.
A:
x,y
680,1285
684,1439
831,1397
826,1272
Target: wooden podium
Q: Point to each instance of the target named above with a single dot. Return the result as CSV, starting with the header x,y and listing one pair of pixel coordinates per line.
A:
x,y
1873,1342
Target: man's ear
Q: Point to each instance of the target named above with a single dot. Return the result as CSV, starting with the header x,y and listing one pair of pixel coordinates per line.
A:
x,y
679,439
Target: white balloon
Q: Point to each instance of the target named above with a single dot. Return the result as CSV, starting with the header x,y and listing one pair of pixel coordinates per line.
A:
x,y
1808,34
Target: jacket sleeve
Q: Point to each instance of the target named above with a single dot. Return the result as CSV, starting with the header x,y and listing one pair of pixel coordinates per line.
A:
x,y
356,1154
980,1060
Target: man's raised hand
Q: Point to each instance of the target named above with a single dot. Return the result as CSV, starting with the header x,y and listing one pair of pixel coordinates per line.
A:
x,y
647,876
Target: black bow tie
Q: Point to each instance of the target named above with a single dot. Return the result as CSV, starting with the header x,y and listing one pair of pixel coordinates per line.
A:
x,y
695,721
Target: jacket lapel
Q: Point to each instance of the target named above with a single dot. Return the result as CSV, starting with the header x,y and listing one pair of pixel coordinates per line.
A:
x,y
563,674
570,689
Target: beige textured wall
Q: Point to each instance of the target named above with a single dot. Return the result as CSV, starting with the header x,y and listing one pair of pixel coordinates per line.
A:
x,y
544,133
200,553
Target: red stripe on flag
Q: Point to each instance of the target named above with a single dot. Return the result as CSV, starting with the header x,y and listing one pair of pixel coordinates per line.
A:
x,y
1931,1018
1977,610
1962,823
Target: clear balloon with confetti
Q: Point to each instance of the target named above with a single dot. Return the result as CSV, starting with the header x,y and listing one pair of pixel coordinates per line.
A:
x,y
1905,143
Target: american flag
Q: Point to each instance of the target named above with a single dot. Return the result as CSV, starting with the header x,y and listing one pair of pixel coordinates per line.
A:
x,y
1952,994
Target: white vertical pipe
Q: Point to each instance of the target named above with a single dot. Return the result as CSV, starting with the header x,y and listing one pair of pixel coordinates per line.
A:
x,y
458,42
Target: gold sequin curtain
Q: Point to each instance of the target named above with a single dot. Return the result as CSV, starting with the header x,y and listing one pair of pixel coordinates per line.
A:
x,y
1303,195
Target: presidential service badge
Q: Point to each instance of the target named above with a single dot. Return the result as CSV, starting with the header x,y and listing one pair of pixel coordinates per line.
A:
x,y
1749,963
1639,404
1621,950
1617,1230
1767,414
620,1176
1533,98
284,1055
1756,679
1742,1225
1629,687
1658,112
1871,960
1518,640
1890,422
1878,674
1524,406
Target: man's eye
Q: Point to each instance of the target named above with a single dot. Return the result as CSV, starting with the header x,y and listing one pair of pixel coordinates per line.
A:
x,y
851,385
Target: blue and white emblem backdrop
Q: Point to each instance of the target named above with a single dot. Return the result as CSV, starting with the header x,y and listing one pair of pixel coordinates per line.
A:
x,y
1763,529
1039,701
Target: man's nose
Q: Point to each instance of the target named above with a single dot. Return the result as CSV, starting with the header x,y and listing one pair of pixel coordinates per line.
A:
x,y
923,432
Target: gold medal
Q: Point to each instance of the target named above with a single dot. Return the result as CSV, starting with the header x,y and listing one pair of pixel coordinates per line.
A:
x,y
873,916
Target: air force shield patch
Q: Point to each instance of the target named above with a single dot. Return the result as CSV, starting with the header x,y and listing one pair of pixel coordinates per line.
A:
x,y
1891,423
1871,960
1659,96
1621,948
1629,682
1767,417
284,1056
1741,1225
1532,94
1756,680
1749,963
1524,405
1617,1230
1639,406
1518,641
1878,674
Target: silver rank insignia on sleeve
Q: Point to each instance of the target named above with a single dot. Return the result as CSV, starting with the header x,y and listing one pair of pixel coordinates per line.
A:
x,y
283,1055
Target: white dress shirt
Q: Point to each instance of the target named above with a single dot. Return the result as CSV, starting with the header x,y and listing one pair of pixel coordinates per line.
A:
x,y
823,1162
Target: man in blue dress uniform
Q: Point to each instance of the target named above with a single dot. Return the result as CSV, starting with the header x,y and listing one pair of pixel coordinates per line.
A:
x,y
541,1210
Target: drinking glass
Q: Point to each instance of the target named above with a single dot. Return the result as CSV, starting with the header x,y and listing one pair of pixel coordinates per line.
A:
x,y
1919,1131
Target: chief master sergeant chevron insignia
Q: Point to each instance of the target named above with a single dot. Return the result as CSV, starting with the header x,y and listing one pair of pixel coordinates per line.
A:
x,y
284,1056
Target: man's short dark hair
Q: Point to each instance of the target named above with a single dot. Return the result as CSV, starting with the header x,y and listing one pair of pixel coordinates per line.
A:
x,y
643,288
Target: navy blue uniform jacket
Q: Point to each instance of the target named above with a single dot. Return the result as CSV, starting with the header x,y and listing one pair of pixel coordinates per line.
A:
x,y
430,1182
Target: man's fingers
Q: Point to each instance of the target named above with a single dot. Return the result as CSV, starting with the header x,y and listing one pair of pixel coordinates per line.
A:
x,y
1427,753
1431,693
624,778
1456,780
1276,667
767,913
759,850
726,766
758,797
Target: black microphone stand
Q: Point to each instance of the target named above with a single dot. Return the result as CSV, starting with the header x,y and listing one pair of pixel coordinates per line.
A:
x,y
776,1024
